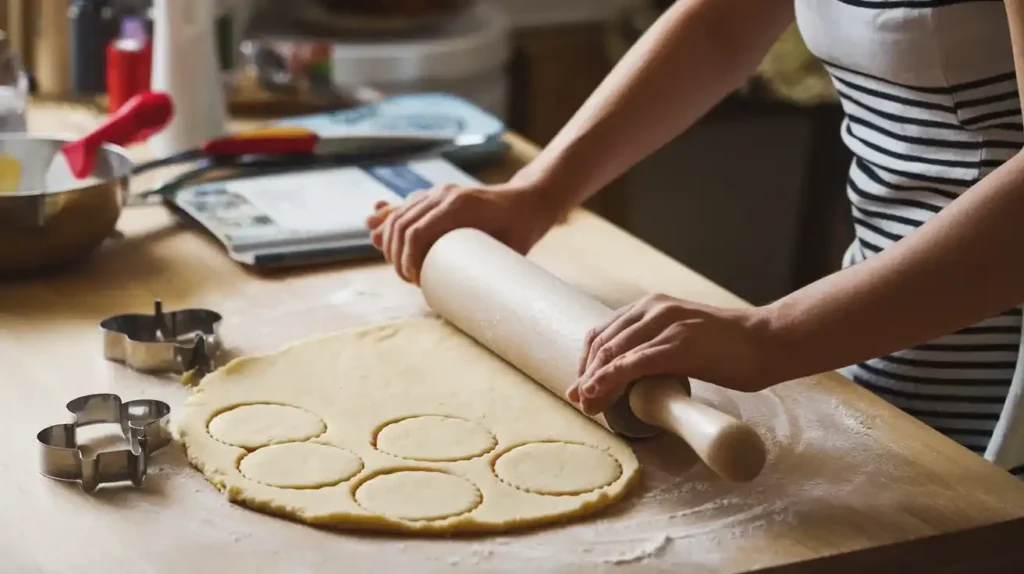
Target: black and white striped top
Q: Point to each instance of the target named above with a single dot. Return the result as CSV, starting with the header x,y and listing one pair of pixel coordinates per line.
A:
x,y
931,100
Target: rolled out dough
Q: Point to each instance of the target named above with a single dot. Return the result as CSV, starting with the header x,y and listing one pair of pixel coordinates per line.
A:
x,y
408,426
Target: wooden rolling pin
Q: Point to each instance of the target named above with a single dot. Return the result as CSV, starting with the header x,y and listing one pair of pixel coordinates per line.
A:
x,y
537,323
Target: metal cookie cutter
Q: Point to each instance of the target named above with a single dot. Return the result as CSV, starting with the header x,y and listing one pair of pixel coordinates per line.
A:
x,y
143,424
181,341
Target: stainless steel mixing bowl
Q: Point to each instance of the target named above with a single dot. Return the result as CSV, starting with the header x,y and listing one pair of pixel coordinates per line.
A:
x,y
46,227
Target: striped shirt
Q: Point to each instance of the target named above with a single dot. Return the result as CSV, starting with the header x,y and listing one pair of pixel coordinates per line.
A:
x,y
931,103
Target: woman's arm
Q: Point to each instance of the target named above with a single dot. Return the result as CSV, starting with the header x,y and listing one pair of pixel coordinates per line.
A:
x,y
690,59
965,264
962,266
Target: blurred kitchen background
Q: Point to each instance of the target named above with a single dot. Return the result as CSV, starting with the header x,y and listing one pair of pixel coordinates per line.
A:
x,y
752,197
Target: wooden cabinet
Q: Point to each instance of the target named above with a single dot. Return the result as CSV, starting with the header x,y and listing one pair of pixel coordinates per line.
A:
x,y
554,70
753,197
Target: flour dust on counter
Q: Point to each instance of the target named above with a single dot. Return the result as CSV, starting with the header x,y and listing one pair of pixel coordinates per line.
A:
x,y
686,510
821,448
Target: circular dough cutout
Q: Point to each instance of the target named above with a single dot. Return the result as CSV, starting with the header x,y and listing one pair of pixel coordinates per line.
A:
x,y
418,495
435,439
557,468
301,465
258,425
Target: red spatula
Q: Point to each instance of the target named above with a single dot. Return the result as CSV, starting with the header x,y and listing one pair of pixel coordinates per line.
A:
x,y
139,118
295,141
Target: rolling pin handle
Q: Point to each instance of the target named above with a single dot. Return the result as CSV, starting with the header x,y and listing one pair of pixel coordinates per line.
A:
x,y
728,446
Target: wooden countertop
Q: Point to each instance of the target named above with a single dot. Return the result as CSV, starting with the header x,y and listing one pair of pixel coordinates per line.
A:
x,y
846,472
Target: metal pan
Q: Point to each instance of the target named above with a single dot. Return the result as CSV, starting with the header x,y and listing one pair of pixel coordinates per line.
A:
x,y
40,231
50,217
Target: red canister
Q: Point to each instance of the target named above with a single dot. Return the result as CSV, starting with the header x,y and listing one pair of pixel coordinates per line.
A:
x,y
129,63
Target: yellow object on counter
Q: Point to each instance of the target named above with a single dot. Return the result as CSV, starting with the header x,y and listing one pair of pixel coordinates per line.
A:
x,y
10,174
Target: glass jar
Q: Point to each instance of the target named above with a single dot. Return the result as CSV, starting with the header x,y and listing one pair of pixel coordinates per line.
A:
x,y
13,89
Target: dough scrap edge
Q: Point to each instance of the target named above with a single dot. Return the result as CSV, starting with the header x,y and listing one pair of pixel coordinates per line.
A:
x,y
601,500
462,525
239,363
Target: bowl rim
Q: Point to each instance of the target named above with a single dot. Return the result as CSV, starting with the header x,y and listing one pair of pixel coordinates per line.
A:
x,y
110,148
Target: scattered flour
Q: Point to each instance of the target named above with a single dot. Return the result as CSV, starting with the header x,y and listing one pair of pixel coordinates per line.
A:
x,y
641,552
689,518
685,516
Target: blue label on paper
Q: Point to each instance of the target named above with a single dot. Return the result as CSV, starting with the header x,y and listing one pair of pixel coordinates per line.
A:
x,y
399,179
434,114
438,114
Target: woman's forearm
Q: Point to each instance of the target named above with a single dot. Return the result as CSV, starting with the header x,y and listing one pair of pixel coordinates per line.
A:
x,y
963,266
689,60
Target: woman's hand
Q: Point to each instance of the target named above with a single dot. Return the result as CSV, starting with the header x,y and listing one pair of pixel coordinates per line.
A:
x,y
661,335
517,215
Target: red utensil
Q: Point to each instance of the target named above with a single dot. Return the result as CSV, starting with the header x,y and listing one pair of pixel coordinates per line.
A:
x,y
140,117
284,141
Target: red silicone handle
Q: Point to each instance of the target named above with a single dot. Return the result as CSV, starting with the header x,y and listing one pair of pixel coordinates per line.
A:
x,y
147,112
270,144
141,116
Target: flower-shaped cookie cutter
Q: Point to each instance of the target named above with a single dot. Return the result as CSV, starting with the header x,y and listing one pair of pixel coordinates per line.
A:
x,y
180,341
143,424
